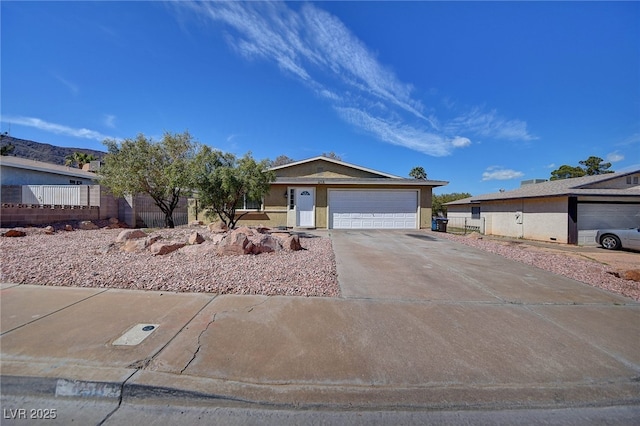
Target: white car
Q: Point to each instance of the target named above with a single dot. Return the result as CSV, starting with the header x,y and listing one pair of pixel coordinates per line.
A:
x,y
613,239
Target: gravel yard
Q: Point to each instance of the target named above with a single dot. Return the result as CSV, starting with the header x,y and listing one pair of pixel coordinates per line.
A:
x,y
91,259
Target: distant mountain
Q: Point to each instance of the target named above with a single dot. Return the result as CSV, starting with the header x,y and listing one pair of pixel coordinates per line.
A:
x,y
43,151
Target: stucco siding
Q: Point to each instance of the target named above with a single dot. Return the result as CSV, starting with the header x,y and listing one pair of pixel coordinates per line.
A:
x,y
534,219
619,183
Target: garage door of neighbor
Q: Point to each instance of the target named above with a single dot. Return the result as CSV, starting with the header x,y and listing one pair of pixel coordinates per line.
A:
x,y
600,215
594,216
373,209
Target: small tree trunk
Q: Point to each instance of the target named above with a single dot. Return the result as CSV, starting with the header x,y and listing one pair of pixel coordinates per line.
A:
x,y
168,220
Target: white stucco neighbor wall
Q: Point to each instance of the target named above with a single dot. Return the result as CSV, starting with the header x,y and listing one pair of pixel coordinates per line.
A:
x,y
543,219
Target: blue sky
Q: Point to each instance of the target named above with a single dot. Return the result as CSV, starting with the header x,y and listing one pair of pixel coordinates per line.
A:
x,y
480,94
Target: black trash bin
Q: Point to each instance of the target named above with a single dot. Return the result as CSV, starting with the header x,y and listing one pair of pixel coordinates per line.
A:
x,y
441,224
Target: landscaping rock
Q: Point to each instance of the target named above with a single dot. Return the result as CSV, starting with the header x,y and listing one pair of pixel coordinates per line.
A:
x,y
162,248
87,225
195,223
130,234
68,228
292,243
49,230
262,243
218,227
12,233
138,245
632,274
196,238
245,230
234,244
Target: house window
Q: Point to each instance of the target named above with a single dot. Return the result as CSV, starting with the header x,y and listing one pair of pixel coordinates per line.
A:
x,y
635,180
628,180
475,212
249,204
75,182
292,199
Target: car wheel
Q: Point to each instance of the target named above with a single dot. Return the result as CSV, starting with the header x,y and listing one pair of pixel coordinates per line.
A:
x,y
610,242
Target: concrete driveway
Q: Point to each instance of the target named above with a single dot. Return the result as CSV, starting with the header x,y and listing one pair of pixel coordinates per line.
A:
x,y
418,266
423,323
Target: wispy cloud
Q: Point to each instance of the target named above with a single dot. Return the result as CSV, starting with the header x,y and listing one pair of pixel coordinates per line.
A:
x,y
500,173
315,47
73,88
55,128
490,124
110,120
614,157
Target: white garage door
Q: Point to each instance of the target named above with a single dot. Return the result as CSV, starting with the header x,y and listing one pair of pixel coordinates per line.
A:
x,y
374,209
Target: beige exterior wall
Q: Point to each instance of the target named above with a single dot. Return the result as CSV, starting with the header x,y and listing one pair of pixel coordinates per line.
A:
x,y
619,183
274,213
543,219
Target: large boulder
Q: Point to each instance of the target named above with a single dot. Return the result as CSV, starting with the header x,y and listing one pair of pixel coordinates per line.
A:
x,y
165,247
262,243
130,234
233,244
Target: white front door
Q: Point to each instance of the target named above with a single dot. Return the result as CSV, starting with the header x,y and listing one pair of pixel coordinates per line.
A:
x,y
305,207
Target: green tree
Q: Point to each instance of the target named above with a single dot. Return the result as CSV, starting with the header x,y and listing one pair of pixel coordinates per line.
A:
x,y
592,166
161,169
438,201
418,173
79,159
224,182
567,172
596,166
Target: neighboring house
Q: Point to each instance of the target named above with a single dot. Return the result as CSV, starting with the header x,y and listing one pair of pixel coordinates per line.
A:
x,y
567,210
21,171
326,193
28,183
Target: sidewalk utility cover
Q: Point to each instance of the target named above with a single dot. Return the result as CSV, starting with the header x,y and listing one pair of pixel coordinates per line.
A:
x,y
135,335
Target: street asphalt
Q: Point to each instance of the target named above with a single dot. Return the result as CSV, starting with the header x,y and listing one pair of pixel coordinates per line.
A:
x,y
423,325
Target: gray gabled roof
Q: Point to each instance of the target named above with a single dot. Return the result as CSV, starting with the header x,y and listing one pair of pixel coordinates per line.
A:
x,y
40,166
562,187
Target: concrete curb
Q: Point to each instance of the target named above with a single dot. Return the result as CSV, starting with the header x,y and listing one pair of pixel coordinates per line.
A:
x,y
155,388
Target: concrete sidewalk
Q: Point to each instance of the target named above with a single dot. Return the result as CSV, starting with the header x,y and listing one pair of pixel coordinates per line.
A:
x,y
560,344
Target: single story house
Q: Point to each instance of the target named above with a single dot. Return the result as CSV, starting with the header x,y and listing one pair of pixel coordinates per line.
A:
x,y
568,211
322,192
22,171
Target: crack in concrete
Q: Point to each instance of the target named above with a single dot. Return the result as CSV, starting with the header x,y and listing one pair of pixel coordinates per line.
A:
x,y
195,353
213,319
